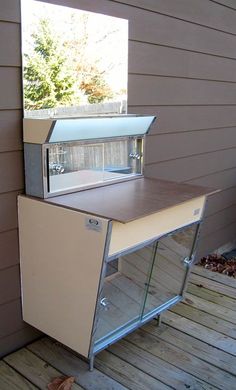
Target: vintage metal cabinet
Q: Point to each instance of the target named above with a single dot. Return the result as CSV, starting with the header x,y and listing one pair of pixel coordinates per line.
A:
x,y
67,155
98,263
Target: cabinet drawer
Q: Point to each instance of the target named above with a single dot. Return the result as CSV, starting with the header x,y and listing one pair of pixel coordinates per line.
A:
x,y
126,236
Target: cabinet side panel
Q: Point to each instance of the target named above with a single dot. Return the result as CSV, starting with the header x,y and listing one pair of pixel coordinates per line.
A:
x,y
61,261
33,170
125,236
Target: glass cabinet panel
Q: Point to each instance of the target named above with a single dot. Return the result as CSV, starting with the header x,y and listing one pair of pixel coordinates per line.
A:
x,y
76,164
169,267
123,294
140,283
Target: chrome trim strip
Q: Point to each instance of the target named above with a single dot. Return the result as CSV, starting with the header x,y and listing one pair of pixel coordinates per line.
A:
x,y
100,287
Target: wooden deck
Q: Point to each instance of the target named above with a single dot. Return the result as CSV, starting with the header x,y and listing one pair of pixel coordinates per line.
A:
x,y
194,348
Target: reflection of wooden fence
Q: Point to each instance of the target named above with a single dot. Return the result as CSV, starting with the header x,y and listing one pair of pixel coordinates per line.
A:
x,y
85,110
75,157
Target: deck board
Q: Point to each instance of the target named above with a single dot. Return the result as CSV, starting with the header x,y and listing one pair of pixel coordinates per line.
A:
x,y
212,308
217,277
213,285
141,355
212,296
192,345
10,379
208,320
201,332
124,371
69,364
193,348
185,362
34,369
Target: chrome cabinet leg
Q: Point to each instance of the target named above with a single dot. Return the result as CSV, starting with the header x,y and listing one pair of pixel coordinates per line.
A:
x,y
91,363
158,320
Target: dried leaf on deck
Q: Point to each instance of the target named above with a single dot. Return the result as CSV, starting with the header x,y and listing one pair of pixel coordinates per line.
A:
x,y
61,383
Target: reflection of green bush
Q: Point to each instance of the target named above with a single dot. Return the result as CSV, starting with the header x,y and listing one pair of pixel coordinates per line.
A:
x,y
54,75
48,82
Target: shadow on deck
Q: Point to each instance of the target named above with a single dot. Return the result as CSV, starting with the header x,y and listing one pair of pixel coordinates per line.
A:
x,y
194,348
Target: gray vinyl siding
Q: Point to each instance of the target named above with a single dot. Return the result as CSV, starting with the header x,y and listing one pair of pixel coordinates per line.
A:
x,y
227,3
182,68
13,331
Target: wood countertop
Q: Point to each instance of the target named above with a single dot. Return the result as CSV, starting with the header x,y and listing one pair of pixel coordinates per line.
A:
x,y
127,201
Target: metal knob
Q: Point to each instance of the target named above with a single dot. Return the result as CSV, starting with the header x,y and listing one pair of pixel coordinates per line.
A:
x,y
187,261
135,156
104,302
57,168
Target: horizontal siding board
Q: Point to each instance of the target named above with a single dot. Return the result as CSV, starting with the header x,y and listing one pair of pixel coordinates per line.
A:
x,y
187,118
9,284
226,3
10,130
219,180
10,10
159,60
220,219
170,146
215,239
146,26
17,340
8,211
10,81
187,168
9,251
177,33
11,312
222,199
10,33
170,91
208,14
11,171
105,7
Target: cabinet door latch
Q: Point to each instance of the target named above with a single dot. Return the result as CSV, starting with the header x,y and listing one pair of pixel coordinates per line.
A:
x,y
187,260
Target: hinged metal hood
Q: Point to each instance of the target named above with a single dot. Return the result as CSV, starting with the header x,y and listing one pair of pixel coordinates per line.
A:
x,y
42,131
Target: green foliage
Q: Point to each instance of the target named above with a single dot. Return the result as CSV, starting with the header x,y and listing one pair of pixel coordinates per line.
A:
x,y
60,73
48,82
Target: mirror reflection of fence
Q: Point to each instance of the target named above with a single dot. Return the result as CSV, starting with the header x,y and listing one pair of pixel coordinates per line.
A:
x,y
122,156
96,163
75,63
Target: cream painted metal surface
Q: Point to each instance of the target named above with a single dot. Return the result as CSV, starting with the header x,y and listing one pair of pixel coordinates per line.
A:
x,y
40,131
125,236
88,281
61,261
